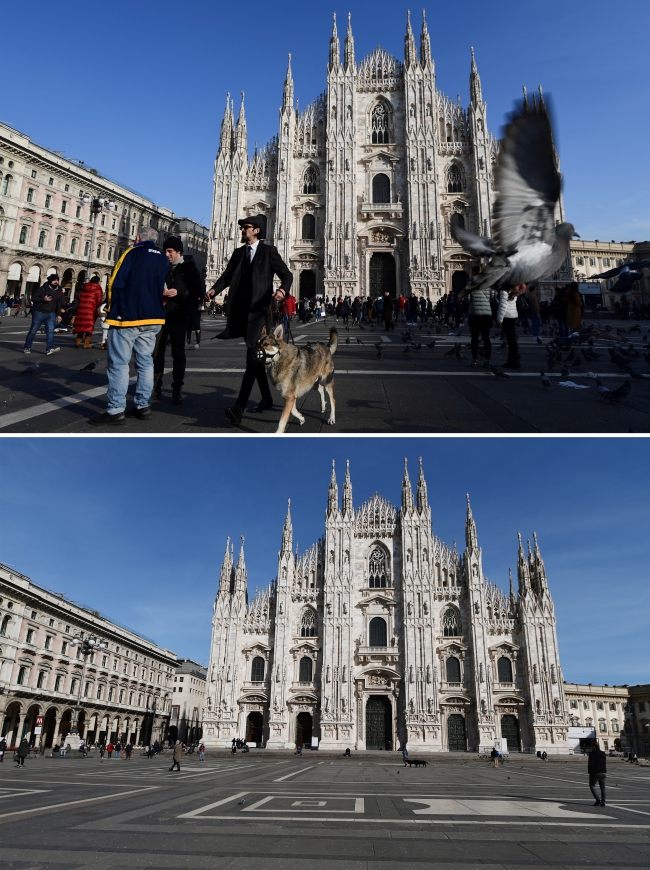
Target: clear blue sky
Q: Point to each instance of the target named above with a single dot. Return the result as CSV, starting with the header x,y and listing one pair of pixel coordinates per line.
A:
x,y
137,527
138,90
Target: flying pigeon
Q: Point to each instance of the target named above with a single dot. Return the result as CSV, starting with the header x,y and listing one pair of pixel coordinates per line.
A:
x,y
628,273
91,366
527,246
31,370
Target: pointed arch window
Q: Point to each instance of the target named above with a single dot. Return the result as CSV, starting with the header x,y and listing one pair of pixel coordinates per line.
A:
x,y
504,669
380,127
381,188
378,632
310,181
454,179
451,623
309,227
378,569
257,670
306,670
308,624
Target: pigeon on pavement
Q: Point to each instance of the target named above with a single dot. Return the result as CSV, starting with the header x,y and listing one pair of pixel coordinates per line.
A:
x,y
31,370
91,366
544,381
527,245
499,375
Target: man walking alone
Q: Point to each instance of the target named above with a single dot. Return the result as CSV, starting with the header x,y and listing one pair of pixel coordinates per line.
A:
x,y
249,275
46,310
135,314
181,296
597,769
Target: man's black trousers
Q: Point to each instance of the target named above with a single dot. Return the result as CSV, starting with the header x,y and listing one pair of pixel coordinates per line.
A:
x,y
597,779
479,324
255,371
508,326
174,333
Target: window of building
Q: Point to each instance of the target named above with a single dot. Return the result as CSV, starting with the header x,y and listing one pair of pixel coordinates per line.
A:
x,y
23,235
67,188
51,623
602,726
57,243
33,173
380,126
30,636
78,211
40,680
451,623
41,239
48,641
309,226
22,676
606,261
580,261
113,224
310,180
104,660
600,705
308,624
86,248
87,690
51,181
592,261
378,632
30,194
48,200
257,670
131,699
454,179
33,616
641,706
110,253
73,246
100,248
64,647
306,670
57,683
457,220
381,188
111,691
504,669
103,220
73,687
114,664
612,705
585,705
99,692
121,696
6,184
64,206
452,667
574,705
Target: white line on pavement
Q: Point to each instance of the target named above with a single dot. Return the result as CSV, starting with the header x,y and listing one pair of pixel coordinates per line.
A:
x,y
295,773
72,803
449,822
201,810
46,407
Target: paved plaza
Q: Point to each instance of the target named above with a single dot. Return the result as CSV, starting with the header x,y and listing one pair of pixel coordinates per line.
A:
x,y
275,811
422,391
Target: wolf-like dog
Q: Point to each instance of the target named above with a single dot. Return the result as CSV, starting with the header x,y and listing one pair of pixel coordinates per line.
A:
x,y
296,370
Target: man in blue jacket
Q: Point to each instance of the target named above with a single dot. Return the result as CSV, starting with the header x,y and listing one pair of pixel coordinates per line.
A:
x,y
135,315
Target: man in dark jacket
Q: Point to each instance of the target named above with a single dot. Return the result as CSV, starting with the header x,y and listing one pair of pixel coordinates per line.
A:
x,y
597,769
46,309
183,291
135,314
387,312
249,274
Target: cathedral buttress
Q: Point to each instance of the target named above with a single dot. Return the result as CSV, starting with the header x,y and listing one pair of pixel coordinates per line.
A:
x,y
341,260
284,195
425,263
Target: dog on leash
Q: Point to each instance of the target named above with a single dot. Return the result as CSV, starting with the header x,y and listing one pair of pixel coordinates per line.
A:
x,y
296,370
418,762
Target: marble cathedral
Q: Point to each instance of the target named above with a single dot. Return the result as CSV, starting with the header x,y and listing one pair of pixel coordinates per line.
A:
x,y
359,188
380,634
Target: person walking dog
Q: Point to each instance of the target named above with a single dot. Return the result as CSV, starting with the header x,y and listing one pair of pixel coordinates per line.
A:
x,y
249,275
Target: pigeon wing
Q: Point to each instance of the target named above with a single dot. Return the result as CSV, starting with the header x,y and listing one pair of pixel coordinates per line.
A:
x,y
478,246
527,182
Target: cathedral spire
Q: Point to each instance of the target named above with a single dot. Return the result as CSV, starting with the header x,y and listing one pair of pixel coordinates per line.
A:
x,y
540,568
335,47
512,587
475,92
410,52
333,495
526,104
426,60
348,60
347,491
240,129
225,141
407,492
225,575
287,531
523,573
471,538
423,498
241,575
287,97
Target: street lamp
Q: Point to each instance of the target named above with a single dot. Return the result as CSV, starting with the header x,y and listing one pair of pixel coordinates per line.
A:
x,y
87,645
97,205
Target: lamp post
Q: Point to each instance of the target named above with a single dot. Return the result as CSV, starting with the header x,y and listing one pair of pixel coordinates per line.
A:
x,y
97,205
87,645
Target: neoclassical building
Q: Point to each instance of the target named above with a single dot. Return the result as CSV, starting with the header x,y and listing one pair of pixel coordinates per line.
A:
x,y
361,187
382,634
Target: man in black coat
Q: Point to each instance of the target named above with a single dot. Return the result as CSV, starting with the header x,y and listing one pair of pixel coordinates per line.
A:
x,y
183,291
597,769
249,275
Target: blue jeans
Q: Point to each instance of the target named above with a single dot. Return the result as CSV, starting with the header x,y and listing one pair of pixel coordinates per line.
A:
x,y
38,319
122,342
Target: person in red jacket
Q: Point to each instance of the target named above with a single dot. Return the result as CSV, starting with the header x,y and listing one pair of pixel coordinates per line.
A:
x,y
90,299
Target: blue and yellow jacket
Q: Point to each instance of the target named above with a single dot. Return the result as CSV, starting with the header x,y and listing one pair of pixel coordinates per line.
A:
x,y
135,289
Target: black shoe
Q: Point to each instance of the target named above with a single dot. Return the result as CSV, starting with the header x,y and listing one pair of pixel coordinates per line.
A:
x,y
177,396
264,405
107,419
511,365
156,396
602,803
597,804
140,413
235,414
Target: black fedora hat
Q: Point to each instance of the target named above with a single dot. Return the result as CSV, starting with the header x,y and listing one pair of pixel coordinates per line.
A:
x,y
256,220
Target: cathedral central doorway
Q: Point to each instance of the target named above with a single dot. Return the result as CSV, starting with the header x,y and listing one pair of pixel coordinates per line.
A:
x,y
304,725
456,733
381,277
378,722
510,730
307,287
254,728
459,280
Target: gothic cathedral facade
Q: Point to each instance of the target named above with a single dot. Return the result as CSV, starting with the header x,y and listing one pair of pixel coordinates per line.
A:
x,y
381,635
360,189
